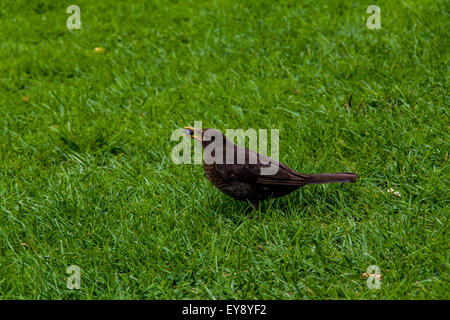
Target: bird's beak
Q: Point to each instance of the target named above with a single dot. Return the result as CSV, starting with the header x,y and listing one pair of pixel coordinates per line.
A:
x,y
189,131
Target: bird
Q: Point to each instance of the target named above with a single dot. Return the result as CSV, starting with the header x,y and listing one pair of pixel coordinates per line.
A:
x,y
245,180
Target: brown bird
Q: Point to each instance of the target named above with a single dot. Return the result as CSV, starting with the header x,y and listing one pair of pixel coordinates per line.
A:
x,y
249,178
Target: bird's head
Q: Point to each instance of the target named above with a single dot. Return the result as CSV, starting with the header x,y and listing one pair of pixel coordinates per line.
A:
x,y
205,136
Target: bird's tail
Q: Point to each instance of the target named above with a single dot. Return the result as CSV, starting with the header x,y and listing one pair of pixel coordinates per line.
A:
x,y
330,177
299,179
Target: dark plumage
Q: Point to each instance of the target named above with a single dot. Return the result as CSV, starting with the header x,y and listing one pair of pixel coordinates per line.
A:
x,y
244,180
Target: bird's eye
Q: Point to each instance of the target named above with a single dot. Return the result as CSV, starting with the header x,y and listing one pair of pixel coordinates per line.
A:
x,y
189,132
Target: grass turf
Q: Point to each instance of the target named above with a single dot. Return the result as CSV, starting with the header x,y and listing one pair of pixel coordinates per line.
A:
x,y
86,176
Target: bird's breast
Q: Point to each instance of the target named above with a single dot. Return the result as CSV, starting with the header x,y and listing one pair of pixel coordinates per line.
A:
x,y
236,189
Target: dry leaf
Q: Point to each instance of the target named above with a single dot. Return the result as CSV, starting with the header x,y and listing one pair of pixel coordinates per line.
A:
x,y
376,276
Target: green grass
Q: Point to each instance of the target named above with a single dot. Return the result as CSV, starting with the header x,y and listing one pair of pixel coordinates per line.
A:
x,y
86,176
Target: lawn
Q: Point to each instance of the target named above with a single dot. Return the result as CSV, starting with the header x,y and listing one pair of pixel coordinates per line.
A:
x,y
87,179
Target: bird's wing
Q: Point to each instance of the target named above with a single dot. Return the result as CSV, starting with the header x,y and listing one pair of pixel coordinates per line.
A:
x,y
252,173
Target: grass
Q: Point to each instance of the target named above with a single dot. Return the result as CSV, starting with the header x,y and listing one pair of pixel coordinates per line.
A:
x,y
86,176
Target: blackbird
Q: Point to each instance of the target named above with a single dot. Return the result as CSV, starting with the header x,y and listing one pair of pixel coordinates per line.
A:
x,y
239,172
